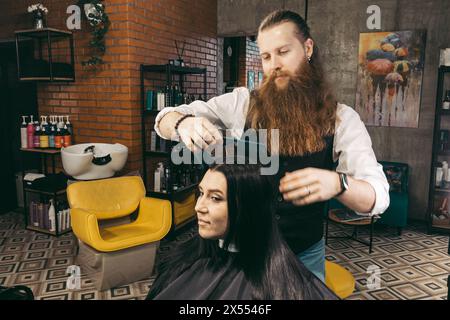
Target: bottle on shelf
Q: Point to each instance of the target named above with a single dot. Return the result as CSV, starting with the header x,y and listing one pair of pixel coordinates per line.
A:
x,y
43,137
168,97
67,137
69,126
52,216
37,135
23,133
60,122
159,173
51,135
446,102
30,133
167,180
59,141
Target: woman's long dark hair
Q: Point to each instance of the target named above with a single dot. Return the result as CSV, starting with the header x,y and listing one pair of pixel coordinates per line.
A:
x,y
270,266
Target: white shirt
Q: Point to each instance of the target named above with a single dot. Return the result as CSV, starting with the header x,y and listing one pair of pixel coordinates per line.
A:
x,y
352,145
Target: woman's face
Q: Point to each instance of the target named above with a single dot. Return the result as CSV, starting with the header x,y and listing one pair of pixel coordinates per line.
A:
x,y
212,206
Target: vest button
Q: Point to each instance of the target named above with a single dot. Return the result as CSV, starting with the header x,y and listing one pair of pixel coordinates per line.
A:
x,y
277,216
280,198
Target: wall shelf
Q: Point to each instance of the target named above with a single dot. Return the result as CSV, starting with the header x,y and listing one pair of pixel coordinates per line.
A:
x,y
50,62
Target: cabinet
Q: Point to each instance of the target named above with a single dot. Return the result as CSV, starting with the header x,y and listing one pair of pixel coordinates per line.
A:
x,y
52,58
439,194
37,195
181,183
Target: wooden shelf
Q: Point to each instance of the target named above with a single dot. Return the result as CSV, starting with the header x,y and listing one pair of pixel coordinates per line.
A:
x,y
37,150
445,190
45,79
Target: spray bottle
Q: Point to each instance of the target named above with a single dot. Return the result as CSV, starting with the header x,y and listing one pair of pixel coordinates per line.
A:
x,y
23,134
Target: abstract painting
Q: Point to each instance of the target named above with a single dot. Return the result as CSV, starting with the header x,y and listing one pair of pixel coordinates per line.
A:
x,y
390,70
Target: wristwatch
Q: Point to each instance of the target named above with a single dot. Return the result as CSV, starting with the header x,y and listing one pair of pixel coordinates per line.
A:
x,y
344,183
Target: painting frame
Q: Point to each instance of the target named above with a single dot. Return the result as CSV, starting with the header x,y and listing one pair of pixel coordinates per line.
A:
x,y
390,77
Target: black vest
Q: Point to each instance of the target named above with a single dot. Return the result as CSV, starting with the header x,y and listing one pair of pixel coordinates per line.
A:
x,y
302,226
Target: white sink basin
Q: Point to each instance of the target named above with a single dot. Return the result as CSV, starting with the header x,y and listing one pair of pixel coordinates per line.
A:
x,y
90,161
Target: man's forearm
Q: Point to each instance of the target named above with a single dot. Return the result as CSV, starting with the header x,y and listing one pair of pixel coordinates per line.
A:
x,y
359,197
167,124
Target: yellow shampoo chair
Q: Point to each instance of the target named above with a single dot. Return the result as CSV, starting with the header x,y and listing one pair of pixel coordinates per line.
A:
x,y
112,253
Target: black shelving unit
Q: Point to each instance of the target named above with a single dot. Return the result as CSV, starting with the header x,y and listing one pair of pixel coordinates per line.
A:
x,y
48,192
168,76
45,68
439,194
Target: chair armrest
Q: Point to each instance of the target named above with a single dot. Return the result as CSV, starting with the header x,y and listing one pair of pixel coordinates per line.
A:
x,y
85,225
157,213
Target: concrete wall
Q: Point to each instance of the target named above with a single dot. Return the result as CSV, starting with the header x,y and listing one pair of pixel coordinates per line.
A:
x,y
335,25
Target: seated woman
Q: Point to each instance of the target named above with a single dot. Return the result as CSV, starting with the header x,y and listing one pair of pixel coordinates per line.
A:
x,y
238,253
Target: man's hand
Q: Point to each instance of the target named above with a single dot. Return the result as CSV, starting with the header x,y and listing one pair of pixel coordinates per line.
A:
x,y
198,133
310,185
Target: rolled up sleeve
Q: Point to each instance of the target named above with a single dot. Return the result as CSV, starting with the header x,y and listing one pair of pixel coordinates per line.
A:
x,y
353,150
227,111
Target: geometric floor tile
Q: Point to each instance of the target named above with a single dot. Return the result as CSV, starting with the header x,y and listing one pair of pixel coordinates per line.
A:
x,y
409,291
409,273
431,269
32,265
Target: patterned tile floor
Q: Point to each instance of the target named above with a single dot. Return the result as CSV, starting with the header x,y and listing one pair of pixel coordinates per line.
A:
x,y
414,265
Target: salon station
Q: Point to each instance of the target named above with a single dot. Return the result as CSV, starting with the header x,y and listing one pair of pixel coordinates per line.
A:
x,y
109,108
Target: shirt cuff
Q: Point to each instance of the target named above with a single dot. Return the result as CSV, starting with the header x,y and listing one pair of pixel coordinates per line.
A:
x,y
381,198
162,113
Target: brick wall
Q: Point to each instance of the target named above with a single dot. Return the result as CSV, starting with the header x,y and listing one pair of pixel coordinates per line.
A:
x,y
249,61
104,105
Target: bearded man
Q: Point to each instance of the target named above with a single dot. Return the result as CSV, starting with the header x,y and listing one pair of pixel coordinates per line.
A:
x,y
314,133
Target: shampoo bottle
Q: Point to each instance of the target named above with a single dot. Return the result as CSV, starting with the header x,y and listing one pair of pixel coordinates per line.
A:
x,y
23,134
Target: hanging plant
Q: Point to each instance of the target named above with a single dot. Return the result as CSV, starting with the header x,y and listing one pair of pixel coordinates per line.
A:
x,y
99,21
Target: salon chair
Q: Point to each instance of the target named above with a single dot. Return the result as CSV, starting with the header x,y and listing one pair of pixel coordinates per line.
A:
x,y
114,248
339,279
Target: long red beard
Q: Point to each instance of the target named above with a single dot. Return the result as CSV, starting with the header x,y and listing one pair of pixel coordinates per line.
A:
x,y
297,109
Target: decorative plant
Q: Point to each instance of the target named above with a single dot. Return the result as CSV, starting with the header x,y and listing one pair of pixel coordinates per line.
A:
x,y
38,11
99,21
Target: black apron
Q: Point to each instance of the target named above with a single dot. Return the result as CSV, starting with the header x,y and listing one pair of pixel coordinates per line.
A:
x,y
302,226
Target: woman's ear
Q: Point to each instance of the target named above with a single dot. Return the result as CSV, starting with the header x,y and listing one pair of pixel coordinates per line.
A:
x,y
309,48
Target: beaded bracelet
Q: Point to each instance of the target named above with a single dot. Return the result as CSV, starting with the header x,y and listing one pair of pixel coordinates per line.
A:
x,y
180,120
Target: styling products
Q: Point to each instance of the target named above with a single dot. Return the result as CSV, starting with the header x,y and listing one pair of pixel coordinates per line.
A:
x,y
43,137
37,134
446,102
67,138
51,135
58,138
23,134
159,174
444,170
52,216
30,133
69,126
